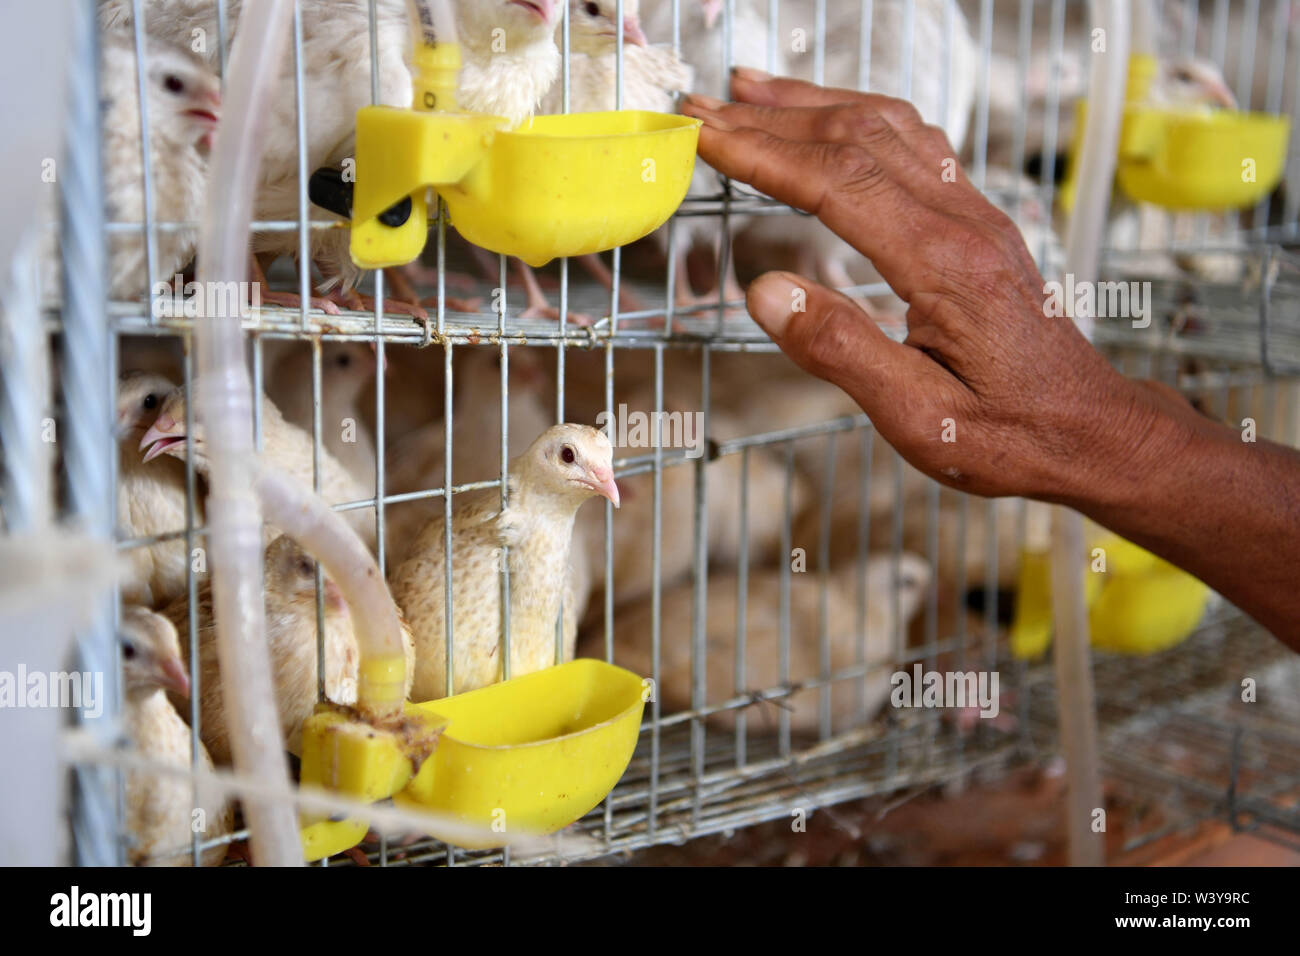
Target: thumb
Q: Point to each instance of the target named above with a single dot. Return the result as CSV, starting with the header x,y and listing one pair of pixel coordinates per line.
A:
x,y
833,337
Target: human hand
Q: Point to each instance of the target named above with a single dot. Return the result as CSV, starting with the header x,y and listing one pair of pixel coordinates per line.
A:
x,y
987,393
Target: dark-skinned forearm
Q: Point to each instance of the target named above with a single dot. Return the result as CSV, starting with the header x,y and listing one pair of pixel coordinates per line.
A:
x,y
1226,510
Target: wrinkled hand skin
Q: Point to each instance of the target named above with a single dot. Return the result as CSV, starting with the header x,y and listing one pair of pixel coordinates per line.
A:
x,y
1035,410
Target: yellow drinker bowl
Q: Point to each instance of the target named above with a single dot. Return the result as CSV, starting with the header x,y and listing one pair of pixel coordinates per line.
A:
x,y
1187,157
563,185
533,753
1206,159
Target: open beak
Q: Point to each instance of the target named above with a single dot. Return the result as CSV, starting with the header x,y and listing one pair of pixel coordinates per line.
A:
x,y
632,31
602,483
163,435
206,111
175,677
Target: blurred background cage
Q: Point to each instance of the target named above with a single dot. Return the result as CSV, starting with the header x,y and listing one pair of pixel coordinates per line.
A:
x,y
770,585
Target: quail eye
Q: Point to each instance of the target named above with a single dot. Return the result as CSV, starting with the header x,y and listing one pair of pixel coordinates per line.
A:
x,y
592,9
150,401
128,652
173,83
306,568
566,455
344,361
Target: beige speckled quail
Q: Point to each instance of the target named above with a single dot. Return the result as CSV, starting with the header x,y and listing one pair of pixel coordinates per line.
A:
x,y
150,496
632,639
284,446
160,809
565,466
290,582
347,368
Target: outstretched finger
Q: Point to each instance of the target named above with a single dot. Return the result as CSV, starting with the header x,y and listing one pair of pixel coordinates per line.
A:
x,y
917,160
843,185
756,89
829,335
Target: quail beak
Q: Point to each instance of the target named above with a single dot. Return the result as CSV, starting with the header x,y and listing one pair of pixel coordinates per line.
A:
x,y
162,437
1221,95
632,31
174,676
206,112
543,8
602,483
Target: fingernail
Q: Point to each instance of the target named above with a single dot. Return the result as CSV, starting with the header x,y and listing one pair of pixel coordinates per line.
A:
x,y
772,300
705,102
750,74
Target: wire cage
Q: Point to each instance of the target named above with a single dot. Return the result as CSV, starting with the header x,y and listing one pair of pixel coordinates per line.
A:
x,y
770,579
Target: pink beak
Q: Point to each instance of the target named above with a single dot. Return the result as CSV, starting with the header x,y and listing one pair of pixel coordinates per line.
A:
x,y
207,110
632,31
1219,93
604,485
544,8
175,677
161,435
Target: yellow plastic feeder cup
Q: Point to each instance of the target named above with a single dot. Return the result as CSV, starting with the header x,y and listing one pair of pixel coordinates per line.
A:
x,y
345,755
533,753
1200,159
1188,157
557,186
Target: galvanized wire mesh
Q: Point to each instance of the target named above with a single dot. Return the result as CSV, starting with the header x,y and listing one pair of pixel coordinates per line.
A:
x,y
1240,355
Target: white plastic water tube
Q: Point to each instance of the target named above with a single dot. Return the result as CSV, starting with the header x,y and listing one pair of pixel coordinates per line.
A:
x,y
224,402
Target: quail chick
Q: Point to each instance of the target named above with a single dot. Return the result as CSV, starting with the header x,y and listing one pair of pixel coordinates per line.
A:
x,y
415,461
161,813
184,101
702,37
284,446
651,74
632,639
336,67
346,369
291,633
565,466
633,533
150,496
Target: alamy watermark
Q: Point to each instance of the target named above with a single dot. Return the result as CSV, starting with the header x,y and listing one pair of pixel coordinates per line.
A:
x,y
81,689
1100,300
195,300
638,429
131,911
947,689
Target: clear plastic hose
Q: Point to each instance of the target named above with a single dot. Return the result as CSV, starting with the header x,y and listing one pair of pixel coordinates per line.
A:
x,y
224,402
1073,666
321,531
